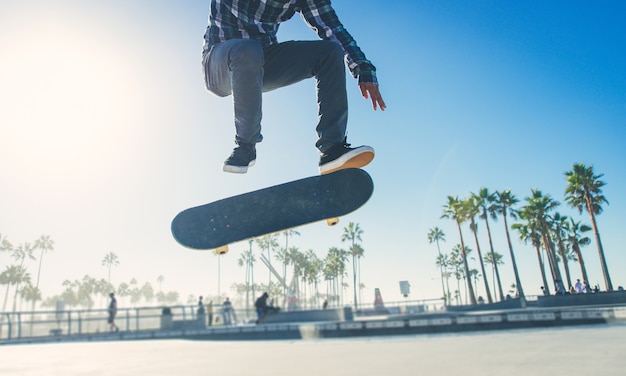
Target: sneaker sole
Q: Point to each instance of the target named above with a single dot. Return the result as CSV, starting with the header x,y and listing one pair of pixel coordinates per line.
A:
x,y
356,158
237,169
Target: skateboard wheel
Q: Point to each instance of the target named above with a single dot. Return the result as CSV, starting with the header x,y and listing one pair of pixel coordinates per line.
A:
x,y
221,250
332,221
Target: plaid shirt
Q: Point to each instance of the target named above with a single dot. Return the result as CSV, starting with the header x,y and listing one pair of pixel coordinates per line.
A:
x,y
259,20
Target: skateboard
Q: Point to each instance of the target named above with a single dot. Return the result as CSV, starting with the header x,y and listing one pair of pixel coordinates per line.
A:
x,y
277,208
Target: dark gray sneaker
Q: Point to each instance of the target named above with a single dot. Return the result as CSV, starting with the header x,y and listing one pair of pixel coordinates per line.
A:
x,y
341,156
242,157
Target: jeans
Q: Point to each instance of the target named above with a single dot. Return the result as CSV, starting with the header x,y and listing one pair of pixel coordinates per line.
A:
x,y
243,68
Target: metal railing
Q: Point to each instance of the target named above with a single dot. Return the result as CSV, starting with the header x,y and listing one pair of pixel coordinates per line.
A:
x,y
37,324
20,325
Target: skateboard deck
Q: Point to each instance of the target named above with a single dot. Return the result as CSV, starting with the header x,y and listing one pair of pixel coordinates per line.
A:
x,y
272,209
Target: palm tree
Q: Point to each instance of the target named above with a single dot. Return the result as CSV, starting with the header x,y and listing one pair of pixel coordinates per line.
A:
x,y
455,210
472,209
538,209
45,244
458,268
247,259
123,290
160,280
360,253
487,202
312,271
435,235
147,291
22,276
584,191
528,232
318,272
283,256
110,260
443,261
295,258
494,258
456,265
103,288
504,202
334,269
558,223
30,293
268,242
289,233
475,275
352,232
299,262
5,245
23,251
12,275
574,239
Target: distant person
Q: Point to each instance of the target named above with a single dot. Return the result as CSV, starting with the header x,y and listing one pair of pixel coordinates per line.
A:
x,y
292,301
579,287
201,310
544,291
586,289
112,313
261,306
325,305
558,286
209,311
227,310
200,314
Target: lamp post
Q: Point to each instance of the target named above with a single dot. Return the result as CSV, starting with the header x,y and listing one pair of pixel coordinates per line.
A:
x,y
219,252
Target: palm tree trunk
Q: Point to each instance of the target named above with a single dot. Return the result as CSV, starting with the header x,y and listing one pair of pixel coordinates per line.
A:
x,y
356,303
565,263
518,282
470,289
269,261
443,289
554,266
566,267
482,265
448,297
359,271
581,262
252,277
603,265
493,257
458,290
542,268
17,288
6,296
247,284
39,269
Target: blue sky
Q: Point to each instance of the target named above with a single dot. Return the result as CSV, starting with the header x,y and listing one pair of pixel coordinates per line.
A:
x,y
107,132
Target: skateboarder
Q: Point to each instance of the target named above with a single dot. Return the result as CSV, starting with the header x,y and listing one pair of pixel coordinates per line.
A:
x,y
242,58
262,307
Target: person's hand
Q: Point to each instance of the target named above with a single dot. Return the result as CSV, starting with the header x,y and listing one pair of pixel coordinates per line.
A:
x,y
370,91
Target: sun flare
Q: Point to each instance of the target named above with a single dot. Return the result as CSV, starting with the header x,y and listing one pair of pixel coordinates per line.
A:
x,y
67,99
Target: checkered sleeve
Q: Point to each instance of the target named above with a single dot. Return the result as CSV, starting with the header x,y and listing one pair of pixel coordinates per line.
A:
x,y
321,17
